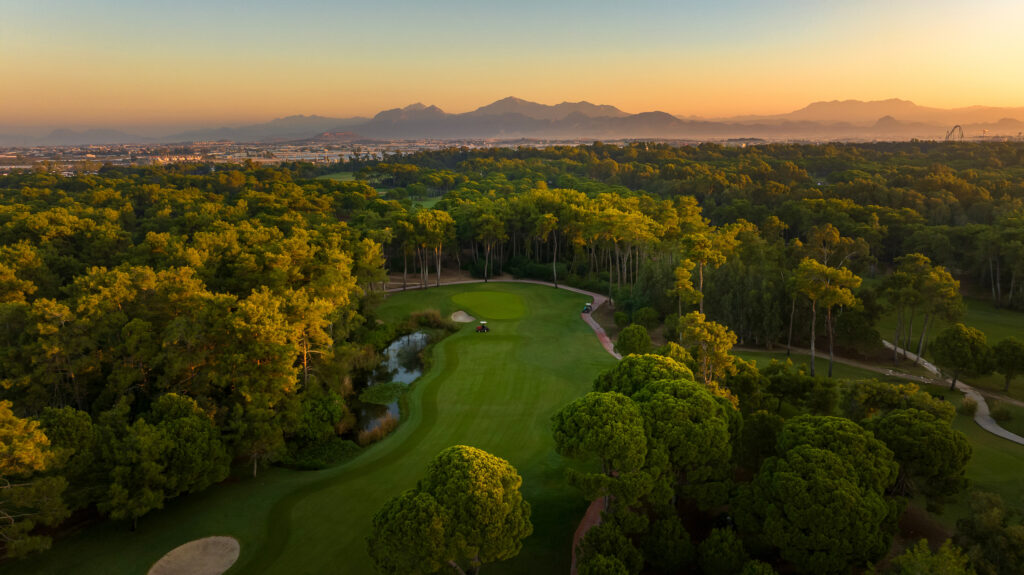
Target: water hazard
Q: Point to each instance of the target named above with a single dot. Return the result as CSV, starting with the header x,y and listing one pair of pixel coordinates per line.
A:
x,y
401,365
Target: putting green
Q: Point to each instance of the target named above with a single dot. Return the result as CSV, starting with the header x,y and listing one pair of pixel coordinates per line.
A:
x,y
491,304
496,392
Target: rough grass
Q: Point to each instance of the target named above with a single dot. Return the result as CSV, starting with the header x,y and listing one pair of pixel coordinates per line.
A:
x,y
495,392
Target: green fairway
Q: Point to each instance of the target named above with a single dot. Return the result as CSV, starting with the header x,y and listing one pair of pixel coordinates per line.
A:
x,y
839,370
339,176
495,391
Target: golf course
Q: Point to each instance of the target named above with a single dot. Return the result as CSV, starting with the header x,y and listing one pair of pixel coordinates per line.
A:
x,y
495,391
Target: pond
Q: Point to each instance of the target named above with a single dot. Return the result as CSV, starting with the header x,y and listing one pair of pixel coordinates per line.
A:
x,y
401,365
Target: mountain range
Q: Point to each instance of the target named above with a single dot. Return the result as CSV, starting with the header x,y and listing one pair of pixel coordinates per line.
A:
x,y
514,118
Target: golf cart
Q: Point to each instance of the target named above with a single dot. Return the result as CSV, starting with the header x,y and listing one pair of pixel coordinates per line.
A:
x,y
588,308
482,328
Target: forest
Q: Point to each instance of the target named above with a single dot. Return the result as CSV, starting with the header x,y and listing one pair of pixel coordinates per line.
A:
x,y
165,328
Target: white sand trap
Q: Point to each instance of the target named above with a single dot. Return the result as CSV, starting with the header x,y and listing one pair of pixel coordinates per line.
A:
x,y
207,556
462,317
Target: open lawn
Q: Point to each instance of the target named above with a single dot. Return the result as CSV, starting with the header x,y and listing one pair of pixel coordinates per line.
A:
x,y
997,324
494,391
339,176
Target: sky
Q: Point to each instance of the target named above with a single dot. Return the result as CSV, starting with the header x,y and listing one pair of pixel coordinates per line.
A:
x,y
116,63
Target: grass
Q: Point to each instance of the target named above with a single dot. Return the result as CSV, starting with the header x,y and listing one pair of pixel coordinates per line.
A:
x,y
427,203
339,176
996,465
1016,422
839,370
496,391
998,324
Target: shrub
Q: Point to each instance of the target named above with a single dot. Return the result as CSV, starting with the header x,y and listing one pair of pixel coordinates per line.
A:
x,y
320,454
388,423
968,407
1001,413
382,393
633,339
621,319
431,318
647,317
672,327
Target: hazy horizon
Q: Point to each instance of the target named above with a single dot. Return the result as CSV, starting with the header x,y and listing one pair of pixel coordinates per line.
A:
x,y
151,66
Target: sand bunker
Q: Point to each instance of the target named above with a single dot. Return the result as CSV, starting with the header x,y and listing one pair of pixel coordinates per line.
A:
x,y
207,556
462,317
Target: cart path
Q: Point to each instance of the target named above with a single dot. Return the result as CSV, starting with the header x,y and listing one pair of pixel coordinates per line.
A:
x,y
983,417
592,517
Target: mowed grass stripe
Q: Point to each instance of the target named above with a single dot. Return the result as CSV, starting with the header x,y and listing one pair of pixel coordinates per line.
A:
x,y
484,395
316,522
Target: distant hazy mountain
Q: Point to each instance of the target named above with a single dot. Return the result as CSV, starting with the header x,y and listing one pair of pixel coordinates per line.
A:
x,y
514,118
64,137
537,111
289,128
859,112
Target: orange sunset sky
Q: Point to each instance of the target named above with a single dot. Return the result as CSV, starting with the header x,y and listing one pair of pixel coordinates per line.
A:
x,y
117,63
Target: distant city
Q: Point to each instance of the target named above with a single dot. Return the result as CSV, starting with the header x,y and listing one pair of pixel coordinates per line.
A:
x,y
509,122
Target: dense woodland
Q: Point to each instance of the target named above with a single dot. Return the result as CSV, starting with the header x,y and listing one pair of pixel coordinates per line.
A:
x,y
160,326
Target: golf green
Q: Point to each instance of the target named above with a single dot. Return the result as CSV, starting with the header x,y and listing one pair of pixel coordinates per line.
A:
x,y
491,304
495,391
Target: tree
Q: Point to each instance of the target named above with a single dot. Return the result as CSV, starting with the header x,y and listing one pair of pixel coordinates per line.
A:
x,y
27,499
408,535
991,535
722,552
606,426
635,371
1009,359
709,343
690,425
607,541
758,568
830,287
962,349
683,287
435,227
467,511
919,559
195,458
666,545
757,440
708,250
634,340
932,456
135,455
809,503
597,564
871,459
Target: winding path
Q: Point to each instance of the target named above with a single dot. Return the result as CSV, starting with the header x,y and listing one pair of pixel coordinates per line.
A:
x,y
983,417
